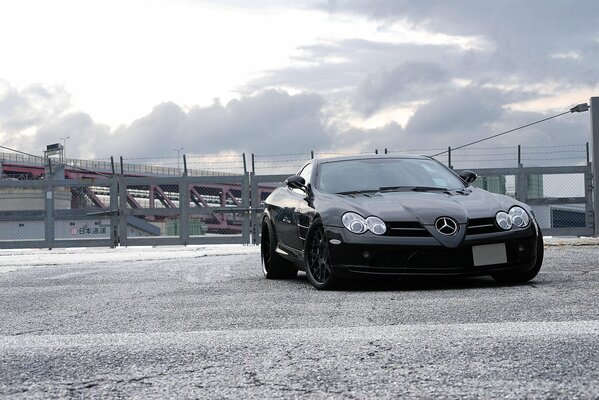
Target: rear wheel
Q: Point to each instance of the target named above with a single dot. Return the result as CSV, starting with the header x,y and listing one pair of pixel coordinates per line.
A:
x,y
273,265
318,261
523,277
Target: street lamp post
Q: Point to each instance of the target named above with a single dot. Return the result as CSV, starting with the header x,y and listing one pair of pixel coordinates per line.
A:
x,y
595,164
64,146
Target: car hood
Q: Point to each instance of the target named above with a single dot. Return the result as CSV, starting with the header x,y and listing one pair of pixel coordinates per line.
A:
x,y
424,207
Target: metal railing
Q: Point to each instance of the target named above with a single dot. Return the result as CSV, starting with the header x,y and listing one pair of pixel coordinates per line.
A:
x,y
106,167
128,211
49,213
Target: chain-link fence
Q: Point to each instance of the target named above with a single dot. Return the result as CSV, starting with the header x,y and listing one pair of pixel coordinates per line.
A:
x,y
189,165
504,156
83,211
152,208
186,210
561,197
211,199
272,164
216,164
238,163
560,200
218,209
23,211
57,213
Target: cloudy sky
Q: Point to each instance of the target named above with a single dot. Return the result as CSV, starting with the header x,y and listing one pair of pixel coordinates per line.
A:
x,y
142,78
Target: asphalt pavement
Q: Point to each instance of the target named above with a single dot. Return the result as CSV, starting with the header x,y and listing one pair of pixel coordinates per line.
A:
x,y
202,322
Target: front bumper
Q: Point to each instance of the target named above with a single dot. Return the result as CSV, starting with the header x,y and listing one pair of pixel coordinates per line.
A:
x,y
368,254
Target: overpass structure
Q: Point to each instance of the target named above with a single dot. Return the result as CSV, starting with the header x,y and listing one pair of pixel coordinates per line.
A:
x,y
208,197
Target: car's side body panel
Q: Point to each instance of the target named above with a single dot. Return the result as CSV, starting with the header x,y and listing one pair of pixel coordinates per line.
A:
x,y
283,211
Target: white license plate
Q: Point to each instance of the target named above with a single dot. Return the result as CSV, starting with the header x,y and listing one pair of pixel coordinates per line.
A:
x,y
489,254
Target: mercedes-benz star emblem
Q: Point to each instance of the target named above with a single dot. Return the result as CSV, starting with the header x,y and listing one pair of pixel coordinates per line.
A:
x,y
446,226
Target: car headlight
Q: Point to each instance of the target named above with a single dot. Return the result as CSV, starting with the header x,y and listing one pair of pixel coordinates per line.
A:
x,y
503,220
376,225
355,223
519,217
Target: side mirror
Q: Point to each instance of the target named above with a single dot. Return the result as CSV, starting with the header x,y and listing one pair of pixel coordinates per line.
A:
x,y
295,182
468,176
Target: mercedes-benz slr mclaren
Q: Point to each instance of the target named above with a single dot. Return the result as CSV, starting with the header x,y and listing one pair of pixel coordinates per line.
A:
x,y
384,216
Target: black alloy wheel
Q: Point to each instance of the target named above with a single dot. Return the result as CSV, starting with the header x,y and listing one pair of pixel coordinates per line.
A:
x,y
318,260
273,265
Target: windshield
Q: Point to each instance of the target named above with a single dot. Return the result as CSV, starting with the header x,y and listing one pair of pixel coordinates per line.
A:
x,y
375,174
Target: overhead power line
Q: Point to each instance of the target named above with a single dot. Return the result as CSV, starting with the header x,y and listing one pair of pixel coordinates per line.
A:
x,y
579,108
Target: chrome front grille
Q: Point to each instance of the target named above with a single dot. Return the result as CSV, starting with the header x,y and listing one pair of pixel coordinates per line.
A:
x,y
478,226
406,229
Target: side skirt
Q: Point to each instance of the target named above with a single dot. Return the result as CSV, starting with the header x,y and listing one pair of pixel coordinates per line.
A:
x,y
294,255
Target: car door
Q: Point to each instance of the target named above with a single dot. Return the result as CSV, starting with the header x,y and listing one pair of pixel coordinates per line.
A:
x,y
305,212
287,218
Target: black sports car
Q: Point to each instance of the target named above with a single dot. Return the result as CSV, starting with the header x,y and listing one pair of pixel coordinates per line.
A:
x,y
349,217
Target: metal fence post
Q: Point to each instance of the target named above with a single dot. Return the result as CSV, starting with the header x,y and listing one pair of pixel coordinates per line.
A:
x,y
184,210
588,193
49,205
122,204
254,204
245,204
521,184
595,162
114,211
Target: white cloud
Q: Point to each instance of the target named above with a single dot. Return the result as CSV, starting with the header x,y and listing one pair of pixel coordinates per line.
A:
x,y
120,58
129,76
571,54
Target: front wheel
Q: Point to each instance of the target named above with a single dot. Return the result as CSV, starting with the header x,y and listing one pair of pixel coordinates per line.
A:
x,y
318,261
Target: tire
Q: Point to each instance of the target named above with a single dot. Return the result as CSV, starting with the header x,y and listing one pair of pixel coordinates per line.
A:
x,y
523,277
317,258
273,265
